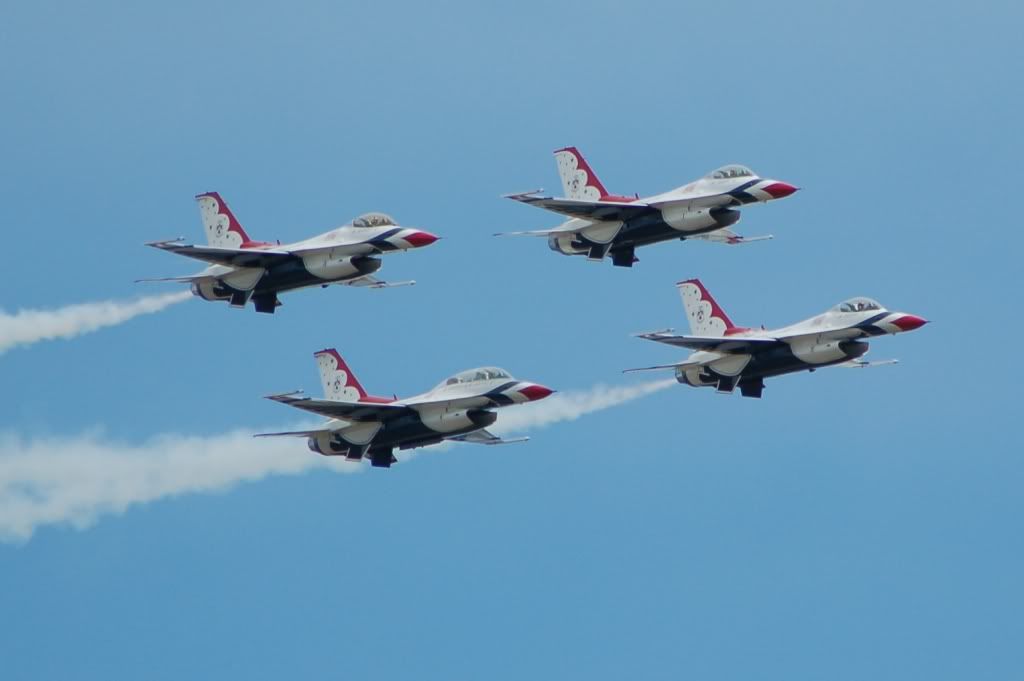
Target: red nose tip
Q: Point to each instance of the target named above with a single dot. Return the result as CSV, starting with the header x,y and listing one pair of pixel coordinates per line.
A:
x,y
909,322
535,391
418,239
779,190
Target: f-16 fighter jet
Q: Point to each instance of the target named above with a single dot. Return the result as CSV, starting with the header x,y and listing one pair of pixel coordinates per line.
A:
x,y
602,224
727,355
242,269
362,425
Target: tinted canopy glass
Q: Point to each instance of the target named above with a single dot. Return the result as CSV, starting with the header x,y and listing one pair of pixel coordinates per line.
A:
x,y
730,171
373,220
857,305
475,375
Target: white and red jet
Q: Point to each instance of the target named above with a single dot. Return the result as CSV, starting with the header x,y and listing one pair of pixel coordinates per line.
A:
x,y
603,224
728,356
362,425
242,269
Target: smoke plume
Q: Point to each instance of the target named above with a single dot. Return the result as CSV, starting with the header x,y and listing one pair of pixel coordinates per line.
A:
x,y
74,480
26,327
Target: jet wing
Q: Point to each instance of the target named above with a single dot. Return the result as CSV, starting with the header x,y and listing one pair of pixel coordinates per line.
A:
x,y
232,257
734,344
349,411
485,437
588,210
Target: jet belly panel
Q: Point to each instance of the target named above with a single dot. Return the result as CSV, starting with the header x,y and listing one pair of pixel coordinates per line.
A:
x,y
451,418
817,350
684,218
333,264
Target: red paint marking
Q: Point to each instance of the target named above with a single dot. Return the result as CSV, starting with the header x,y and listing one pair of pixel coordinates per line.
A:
x,y
535,391
419,239
909,322
779,190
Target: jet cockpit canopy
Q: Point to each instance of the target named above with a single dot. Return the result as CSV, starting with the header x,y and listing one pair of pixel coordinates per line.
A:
x,y
857,305
729,172
477,375
374,220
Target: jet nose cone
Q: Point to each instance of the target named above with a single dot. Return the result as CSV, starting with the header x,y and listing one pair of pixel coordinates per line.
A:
x,y
535,391
780,190
909,322
419,238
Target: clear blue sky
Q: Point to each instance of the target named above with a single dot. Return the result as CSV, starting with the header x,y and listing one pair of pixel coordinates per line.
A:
x,y
851,525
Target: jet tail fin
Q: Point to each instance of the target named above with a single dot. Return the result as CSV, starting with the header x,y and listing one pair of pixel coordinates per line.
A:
x,y
706,317
222,227
338,381
579,181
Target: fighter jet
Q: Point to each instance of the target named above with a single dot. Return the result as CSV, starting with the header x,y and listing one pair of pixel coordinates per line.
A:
x,y
242,269
602,224
727,355
361,425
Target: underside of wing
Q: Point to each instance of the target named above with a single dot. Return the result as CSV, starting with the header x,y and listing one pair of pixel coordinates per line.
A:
x,y
485,437
588,210
350,411
714,343
231,257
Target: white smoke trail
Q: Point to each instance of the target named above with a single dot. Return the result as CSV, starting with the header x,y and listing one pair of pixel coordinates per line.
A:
x,y
569,406
74,480
26,327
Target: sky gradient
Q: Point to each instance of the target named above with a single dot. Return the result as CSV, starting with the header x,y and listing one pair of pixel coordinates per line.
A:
x,y
850,525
